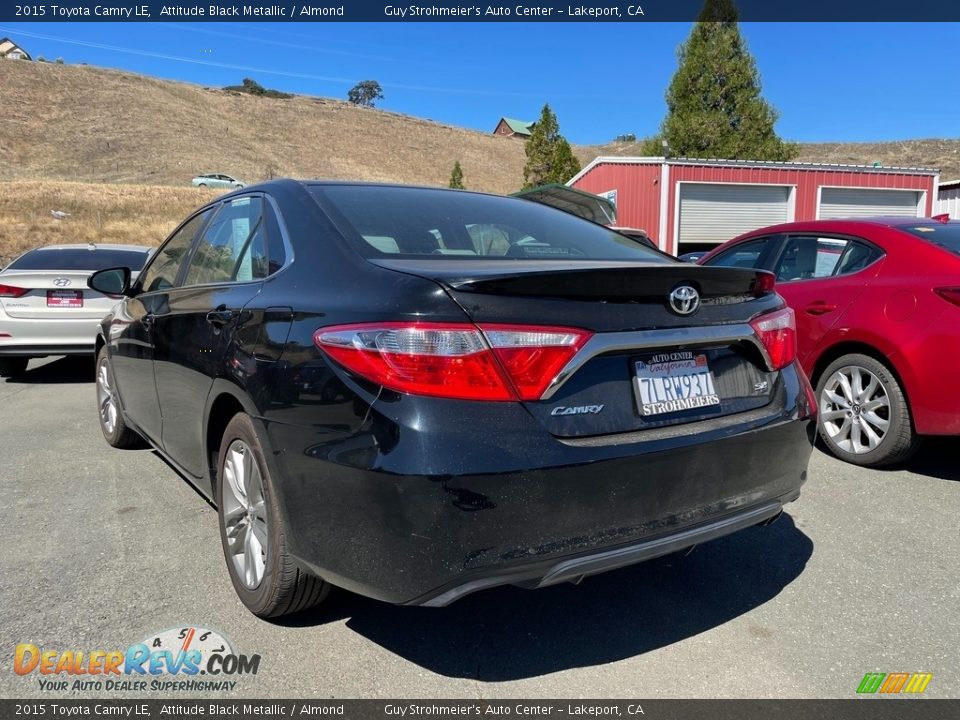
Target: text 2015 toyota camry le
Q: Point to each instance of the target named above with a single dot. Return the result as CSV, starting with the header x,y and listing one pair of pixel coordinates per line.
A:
x,y
415,393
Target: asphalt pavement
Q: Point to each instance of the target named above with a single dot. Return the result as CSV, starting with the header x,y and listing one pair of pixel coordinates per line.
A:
x,y
103,548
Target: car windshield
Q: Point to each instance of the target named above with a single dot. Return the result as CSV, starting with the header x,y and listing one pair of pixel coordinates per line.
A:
x,y
405,222
81,258
946,235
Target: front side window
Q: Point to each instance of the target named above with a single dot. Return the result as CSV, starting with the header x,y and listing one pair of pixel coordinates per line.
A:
x,y
162,272
743,255
233,246
405,222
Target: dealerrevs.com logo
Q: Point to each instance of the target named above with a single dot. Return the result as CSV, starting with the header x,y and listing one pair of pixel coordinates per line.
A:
x,y
178,659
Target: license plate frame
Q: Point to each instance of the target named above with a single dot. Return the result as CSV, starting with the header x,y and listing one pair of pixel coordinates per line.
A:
x,y
64,298
673,382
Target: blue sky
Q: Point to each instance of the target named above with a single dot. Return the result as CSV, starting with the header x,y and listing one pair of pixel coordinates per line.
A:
x,y
843,82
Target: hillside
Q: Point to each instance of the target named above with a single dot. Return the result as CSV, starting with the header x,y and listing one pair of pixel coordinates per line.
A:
x,y
70,122
98,212
118,150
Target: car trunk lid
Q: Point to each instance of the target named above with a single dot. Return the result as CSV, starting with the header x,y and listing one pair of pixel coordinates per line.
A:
x,y
647,365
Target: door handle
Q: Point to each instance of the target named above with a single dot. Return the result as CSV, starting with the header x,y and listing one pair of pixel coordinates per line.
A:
x,y
819,308
218,318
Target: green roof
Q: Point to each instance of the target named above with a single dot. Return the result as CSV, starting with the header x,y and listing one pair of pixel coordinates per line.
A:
x,y
523,127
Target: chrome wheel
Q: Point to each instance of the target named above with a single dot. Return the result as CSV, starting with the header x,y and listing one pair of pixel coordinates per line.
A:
x,y
244,514
106,399
855,410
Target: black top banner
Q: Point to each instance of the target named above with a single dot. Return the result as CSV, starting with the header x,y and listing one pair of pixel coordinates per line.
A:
x,y
467,11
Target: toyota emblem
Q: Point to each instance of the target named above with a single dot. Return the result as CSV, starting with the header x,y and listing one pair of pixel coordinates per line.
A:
x,y
684,300
61,281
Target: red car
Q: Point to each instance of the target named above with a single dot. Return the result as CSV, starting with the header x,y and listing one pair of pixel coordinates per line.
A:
x,y
877,303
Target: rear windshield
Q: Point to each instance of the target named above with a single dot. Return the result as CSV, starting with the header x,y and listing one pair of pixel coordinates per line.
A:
x,y
405,222
81,258
946,235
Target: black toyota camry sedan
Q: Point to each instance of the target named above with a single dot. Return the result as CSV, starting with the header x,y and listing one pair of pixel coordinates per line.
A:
x,y
415,393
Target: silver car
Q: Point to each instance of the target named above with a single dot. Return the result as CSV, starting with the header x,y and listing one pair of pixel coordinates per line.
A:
x,y
217,180
46,307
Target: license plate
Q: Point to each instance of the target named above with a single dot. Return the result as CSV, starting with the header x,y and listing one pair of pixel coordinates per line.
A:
x,y
673,381
65,298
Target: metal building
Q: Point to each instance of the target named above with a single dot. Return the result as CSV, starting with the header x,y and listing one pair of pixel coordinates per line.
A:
x,y
948,199
688,204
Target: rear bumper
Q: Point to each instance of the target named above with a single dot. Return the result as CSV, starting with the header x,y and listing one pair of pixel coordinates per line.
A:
x,y
44,350
28,337
574,569
441,498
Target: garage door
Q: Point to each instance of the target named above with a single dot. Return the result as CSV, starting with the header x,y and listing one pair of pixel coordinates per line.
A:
x,y
859,202
716,213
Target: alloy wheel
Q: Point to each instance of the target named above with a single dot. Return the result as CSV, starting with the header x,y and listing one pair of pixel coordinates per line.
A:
x,y
106,399
855,410
244,514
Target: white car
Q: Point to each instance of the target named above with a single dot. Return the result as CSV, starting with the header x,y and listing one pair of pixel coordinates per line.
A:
x,y
46,307
217,180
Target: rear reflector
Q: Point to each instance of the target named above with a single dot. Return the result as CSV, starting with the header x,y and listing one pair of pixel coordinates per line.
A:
x,y
454,360
12,292
764,283
778,333
950,294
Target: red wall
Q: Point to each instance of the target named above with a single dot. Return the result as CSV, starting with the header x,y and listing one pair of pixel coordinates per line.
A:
x,y
638,188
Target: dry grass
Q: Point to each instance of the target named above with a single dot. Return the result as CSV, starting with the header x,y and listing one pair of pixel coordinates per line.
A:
x,y
90,124
136,214
118,150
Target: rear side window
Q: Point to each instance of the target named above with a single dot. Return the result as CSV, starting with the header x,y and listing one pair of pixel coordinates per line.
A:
x,y
945,235
443,224
162,272
233,245
81,258
808,257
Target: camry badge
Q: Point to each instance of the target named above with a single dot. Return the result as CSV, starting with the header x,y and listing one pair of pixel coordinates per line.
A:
x,y
61,281
684,300
577,410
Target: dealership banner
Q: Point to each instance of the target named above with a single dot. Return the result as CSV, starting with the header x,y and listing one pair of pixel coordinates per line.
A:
x,y
432,709
469,11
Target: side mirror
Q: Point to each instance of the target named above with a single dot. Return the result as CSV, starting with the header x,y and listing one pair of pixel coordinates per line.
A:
x,y
112,281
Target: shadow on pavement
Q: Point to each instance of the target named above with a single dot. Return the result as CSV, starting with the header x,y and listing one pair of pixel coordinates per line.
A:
x,y
937,457
70,369
509,633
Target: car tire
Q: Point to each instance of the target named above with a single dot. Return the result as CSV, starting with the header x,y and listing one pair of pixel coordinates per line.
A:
x,y
864,417
267,579
112,425
201,184
13,366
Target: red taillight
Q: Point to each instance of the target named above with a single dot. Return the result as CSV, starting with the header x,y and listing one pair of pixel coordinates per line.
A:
x,y
533,355
950,294
454,360
778,333
12,292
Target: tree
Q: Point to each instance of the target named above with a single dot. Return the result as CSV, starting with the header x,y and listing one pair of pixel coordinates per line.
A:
x,y
365,93
456,177
714,105
549,156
